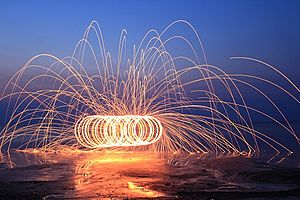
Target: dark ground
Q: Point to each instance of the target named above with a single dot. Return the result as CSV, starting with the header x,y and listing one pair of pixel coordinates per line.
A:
x,y
123,175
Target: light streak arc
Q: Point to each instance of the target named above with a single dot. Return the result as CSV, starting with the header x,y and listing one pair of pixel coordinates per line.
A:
x,y
75,107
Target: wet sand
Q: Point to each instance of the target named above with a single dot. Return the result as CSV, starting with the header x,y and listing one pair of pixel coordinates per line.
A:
x,y
140,175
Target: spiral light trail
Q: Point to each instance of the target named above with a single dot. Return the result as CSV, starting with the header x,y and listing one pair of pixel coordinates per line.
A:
x,y
111,131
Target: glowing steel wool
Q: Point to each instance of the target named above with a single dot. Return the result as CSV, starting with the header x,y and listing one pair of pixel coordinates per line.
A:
x,y
110,131
151,96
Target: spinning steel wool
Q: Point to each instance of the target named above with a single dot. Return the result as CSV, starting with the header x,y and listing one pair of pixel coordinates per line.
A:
x,y
147,99
109,131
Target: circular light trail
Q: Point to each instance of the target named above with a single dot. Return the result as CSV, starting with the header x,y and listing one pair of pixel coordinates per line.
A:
x,y
111,131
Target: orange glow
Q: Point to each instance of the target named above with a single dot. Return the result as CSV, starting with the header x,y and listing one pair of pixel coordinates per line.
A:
x,y
116,173
109,131
143,191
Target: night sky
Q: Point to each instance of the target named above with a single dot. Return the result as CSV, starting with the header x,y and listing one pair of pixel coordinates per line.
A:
x,y
267,30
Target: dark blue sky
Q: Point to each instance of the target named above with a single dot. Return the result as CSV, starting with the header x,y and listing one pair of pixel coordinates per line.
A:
x,y
267,30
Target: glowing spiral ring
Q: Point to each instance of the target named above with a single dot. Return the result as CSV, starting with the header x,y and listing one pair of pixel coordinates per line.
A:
x,y
111,131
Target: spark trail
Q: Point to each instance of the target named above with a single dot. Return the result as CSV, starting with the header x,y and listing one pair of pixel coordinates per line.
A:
x,y
144,99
